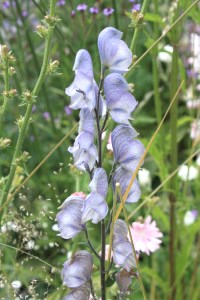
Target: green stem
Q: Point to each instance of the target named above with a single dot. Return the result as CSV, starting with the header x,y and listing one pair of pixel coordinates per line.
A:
x,y
115,13
138,27
174,164
5,98
23,129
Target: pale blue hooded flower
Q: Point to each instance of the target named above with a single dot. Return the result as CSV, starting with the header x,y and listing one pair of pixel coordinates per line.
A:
x,y
127,151
122,249
95,207
78,269
82,90
123,177
69,218
114,53
120,102
123,279
82,292
84,151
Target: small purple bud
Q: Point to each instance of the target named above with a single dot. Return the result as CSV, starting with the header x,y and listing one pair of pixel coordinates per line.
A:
x,y
108,11
68,110
6,4
24,14
46,115
94,10
61,3
73,13
34,108
78,269
81,7
136,7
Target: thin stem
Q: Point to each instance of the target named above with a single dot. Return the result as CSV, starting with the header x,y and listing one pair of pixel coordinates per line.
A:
x,y
115,13
103,273
23,129
90,244
138,27
6,89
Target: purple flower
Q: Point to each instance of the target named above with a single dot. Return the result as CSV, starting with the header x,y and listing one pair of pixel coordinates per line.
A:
x,y
127,151
84,151
95,207
82,90
73,13
136,7
120,102
68,110
81,7
78,269
94,10
123,279
122,249
108,11
61,3
69,218
82,292
6,4
46,115
114,53
123,177
24,14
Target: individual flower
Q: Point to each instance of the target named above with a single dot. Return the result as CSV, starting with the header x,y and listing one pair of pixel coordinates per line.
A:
x,y
84,151
94,10
165,55
77,270
6,4
69,218
190,216
120,102
68,110
195,130
73,13
81,7
114,53
127,151
16,284
188,172
82,292
122,249
144,178
136,7
108,11
193,104
61,3
95,207
123,178
82,90
123,279
46,115
146,236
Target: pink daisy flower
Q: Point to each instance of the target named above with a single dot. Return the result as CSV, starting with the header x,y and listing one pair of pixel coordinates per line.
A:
x,y
146,236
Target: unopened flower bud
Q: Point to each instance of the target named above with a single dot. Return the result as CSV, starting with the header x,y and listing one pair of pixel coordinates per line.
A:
x,y
51,20
4,142
12,71
42,30
4,52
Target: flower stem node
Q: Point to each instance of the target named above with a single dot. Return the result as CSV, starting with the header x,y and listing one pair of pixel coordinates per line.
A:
x,y
23,158
20,122
10,94
42,31
27,98
4,143
136,18
51,20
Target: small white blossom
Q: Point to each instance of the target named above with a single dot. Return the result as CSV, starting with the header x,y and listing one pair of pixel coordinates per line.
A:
x,y
188,173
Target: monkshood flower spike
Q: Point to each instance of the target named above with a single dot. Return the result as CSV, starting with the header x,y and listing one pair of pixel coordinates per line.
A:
x,y
120,102
127,151
82,90
114,53
95,207
78,269
122,249
69,218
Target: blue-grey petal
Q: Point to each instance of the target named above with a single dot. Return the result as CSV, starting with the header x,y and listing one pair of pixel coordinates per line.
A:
x,y
99,182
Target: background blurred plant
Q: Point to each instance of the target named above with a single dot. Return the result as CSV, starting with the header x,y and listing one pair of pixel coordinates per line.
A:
x,y
31,254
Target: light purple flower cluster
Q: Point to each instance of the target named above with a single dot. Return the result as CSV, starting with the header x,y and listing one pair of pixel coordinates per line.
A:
x,y
115,57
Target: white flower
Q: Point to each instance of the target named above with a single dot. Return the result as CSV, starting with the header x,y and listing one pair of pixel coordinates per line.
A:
x,y
195,130
198,161
144,177
16,284
165,55
190,216
188,173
